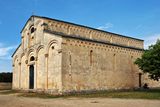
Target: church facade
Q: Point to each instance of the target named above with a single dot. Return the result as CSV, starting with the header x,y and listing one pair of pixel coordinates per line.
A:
x,y
57,56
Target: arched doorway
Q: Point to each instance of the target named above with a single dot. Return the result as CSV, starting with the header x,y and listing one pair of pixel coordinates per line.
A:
x,y
31,77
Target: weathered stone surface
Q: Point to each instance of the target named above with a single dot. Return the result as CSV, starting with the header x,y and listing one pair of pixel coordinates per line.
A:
x,y
68,57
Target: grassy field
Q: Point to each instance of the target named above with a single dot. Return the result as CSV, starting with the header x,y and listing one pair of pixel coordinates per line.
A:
x,y
132,94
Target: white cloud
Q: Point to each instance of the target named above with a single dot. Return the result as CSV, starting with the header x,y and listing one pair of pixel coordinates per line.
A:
x,y
5,51
106,26
5,57
150,40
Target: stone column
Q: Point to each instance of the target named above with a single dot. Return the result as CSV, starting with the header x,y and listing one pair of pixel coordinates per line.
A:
x,y
46,69
19,70
27,76
35,72
13,76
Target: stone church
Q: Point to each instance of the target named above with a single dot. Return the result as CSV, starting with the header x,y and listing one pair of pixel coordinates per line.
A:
x,y
57,56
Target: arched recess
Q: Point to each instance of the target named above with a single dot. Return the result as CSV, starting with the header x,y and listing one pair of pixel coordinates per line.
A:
x,y
41,74
30,53
53,65
51,43
14,60
23,72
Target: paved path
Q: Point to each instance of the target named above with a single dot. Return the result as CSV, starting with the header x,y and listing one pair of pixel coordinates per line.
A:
x,y
14,101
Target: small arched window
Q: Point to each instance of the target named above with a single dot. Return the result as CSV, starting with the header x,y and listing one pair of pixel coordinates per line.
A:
x,y
32,29
91,57
32,58
52,47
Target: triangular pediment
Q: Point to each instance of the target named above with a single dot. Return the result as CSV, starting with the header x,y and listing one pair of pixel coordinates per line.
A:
x,y
30,22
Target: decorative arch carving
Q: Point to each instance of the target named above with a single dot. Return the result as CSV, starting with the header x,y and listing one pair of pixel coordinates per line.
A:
x,y
39,47
30,53
30,50
22,55
40,59
15,59
37,51
50,43
31,26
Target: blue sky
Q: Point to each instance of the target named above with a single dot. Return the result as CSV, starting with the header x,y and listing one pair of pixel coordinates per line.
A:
x,y
135,18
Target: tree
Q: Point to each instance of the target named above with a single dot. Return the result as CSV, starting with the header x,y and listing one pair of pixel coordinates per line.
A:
x,y
150,61
6,77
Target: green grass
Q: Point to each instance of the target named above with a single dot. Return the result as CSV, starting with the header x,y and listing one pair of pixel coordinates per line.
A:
x,y
132,94
127,94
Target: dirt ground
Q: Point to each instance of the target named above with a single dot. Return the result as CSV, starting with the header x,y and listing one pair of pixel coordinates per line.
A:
x,y
15,101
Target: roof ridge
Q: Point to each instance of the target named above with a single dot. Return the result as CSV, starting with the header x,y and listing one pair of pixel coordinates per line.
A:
x,y
81,26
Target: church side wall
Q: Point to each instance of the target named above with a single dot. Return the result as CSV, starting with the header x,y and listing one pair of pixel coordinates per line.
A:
x,y
93,66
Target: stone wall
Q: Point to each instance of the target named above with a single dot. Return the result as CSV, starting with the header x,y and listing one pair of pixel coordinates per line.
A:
x,y
16,68
94,66
151,83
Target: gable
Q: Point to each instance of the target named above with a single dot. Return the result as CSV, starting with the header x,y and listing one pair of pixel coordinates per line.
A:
x,y
18,49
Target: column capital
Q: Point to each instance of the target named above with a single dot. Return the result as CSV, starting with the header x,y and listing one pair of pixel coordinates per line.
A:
x,y
36,58
46,55
26,61
19,63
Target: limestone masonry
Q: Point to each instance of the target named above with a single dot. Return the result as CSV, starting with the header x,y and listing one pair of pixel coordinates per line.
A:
x,y
56,57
